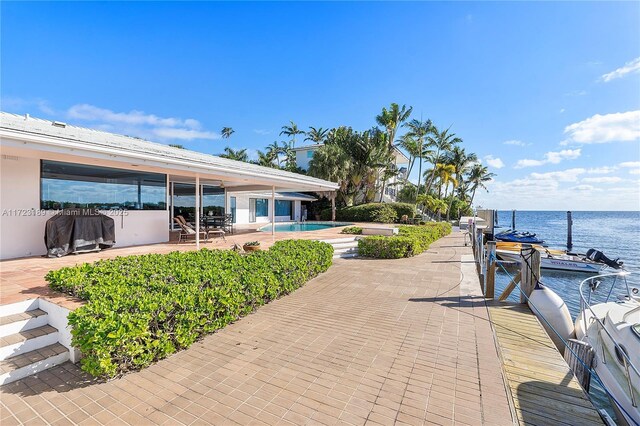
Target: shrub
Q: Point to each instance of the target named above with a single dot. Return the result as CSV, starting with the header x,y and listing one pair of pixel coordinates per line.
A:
x,y
372,212
143,308
411,240
352,230
402,209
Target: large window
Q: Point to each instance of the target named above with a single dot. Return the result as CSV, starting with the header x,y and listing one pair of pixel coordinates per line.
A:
x,y
283,208
68,185
262,207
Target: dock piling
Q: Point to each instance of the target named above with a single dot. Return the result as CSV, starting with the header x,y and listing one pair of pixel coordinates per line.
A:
x,y
490,279
513,220
529,270
569,236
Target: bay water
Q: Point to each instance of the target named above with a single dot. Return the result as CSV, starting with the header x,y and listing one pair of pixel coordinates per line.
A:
x,y
615,233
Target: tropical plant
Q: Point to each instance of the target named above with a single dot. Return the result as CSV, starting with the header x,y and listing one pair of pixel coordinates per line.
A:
x,y
316,135
477,176
419,130
265,159
391,119
291,130
461,162
226,132
232,154
442,141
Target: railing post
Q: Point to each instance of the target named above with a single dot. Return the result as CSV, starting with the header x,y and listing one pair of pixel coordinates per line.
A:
x,y
490,279
529,270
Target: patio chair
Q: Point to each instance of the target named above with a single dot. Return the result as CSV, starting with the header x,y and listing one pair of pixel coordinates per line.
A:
x,y
187,232
228,223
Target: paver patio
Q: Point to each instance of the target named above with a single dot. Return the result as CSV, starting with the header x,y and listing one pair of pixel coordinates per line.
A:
x,y
368,342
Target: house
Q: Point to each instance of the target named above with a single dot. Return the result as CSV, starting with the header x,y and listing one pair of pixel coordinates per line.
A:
x,y
304,154
49,165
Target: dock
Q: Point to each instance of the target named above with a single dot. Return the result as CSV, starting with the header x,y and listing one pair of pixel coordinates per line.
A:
x,y
540,385
542,388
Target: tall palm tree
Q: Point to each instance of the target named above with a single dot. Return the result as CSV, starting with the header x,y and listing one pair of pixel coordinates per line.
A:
x,y
316,135
410,145
442,142
265,159
291,131
445,174
231,154
461,162
478,175
419,130
392,118
226,132
274,150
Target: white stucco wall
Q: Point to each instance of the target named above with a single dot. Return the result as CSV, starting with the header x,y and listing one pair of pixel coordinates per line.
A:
x,y
22,223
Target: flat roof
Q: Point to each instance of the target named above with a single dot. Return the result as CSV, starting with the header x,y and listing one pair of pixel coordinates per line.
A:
x,y
30,132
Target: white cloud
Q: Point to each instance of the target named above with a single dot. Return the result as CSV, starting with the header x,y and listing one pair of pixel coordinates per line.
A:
x,y
616,127
496,163
141,124
569,175
21,105
562,110
602,179
514,142
551,157
628,68
586,188
630,164
601,170
634,172
262,132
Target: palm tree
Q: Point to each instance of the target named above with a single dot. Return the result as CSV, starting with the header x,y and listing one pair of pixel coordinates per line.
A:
x,y
410,145
445,174
316,135
274,150
461,162
443,142
227,132
291,131
265,159
231,154
391,118
478,175
419,130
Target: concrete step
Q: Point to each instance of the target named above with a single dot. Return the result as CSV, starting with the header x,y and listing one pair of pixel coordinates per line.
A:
x,y
345,255
27,340
32,362
350,244
346,250
340,240
17,322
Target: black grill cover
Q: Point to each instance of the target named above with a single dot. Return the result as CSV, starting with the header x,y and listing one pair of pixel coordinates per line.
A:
x,y
78,230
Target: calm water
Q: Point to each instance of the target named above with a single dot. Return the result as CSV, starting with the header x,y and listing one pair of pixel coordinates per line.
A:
x,y
616,234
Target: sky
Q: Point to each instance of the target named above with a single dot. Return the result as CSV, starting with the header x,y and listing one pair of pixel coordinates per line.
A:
x,y
547,94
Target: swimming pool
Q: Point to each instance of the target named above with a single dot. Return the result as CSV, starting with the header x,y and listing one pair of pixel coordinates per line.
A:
x,y
303,227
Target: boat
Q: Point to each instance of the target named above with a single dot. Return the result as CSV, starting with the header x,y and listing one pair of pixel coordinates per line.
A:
x,y
612,329
518,237
594,261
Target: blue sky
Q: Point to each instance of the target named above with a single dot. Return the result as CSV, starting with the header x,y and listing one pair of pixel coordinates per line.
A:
x,y
547,94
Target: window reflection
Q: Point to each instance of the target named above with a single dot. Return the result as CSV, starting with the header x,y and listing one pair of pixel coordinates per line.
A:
x,y
68,185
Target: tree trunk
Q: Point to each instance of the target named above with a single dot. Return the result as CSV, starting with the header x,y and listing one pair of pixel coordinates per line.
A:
x,y
419,173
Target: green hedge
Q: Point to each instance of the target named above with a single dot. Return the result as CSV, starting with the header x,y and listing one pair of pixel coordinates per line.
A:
x,y
372,212
352,230
143,308
410,241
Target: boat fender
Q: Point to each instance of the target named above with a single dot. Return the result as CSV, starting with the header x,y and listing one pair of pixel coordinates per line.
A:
x,y
544,302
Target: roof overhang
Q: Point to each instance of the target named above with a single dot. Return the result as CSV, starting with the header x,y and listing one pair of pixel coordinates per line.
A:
x,y
231,173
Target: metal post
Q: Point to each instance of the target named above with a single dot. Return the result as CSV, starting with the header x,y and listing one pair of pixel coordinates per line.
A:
x,y
569,236
197,211
490,279
273,209
333,207
513,220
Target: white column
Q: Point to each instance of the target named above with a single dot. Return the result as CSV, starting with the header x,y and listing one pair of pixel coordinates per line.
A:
x,y
273,210
197,211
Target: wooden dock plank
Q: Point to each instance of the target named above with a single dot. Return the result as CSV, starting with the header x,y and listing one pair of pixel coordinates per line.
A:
x,y
543,389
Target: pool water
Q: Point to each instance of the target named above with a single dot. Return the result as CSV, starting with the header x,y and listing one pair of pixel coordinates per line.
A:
x,y
303,227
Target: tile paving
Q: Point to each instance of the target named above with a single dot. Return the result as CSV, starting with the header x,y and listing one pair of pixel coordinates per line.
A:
x,y
368,342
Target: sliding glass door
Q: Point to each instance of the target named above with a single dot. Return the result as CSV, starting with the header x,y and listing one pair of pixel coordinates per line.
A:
x,y
183,201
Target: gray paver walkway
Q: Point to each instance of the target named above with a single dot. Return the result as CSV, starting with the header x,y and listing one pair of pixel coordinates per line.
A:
x,y
370,341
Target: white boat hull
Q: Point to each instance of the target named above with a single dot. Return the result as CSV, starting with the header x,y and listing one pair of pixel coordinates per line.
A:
x,y
559,263
617,317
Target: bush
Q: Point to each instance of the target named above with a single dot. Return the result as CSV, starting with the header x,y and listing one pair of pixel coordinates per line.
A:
x,y
403,209
143,308
411,240
372,212
352,230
